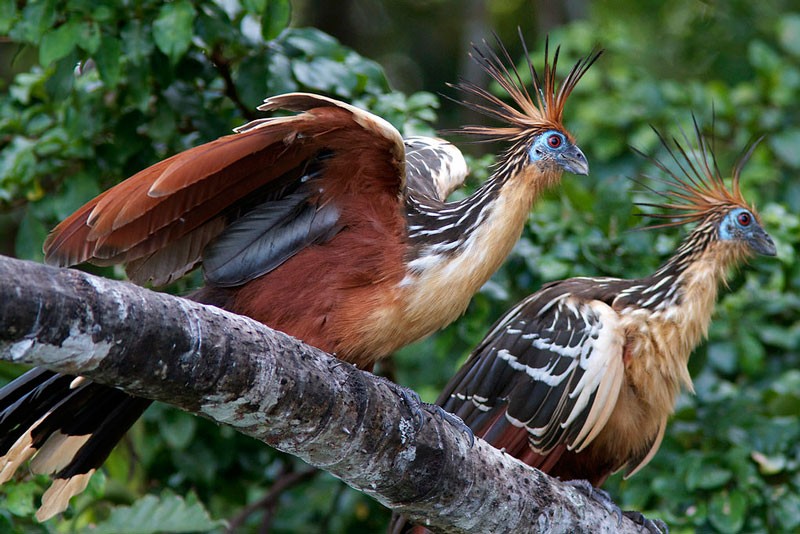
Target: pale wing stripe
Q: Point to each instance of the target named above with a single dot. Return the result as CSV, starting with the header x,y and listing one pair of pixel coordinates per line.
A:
x,y
594,344
604,374
541,374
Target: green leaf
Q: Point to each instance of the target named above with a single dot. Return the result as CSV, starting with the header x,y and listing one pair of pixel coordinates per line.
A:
x,y
280,78
151,514
178,429
61,82
752,354
103,12
8,15
254,6
250,80
37,18
275,18
173,29
722,356
19,498
787,511
789,33
137,42
30,236
77,190
324,74
108,59
726,511
17,166
213,27
90,37
785,146
422,100
59,42
313,42
787,383
372,79
707,477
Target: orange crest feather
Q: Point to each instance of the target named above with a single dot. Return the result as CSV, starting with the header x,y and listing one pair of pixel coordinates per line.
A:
x,y
695,187
532,115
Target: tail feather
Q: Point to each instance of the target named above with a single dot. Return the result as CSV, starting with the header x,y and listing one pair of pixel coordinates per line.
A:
x,y
105,436
58,448
66,425
19,452
26,403
56,499
13,391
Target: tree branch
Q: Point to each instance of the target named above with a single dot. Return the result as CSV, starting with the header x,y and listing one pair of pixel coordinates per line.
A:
x,y
287,394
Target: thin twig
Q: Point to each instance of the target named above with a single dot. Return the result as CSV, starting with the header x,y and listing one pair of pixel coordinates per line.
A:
x,y
223,66
284,482
324,524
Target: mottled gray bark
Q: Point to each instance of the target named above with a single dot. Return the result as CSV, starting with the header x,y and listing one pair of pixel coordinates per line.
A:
x,y
289,395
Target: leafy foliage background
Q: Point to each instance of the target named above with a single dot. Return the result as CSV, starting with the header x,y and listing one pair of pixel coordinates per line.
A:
x,y
155,78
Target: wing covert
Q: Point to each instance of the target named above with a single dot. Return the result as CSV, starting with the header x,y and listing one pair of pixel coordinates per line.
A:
x,y
161,220
434,167
552,368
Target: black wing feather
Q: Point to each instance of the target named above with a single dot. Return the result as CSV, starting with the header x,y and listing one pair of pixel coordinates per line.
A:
x,y
265,237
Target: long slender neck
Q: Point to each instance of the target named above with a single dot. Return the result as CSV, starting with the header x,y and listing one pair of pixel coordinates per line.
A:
x,y
438,227
456,247
488,222
666,288
680,296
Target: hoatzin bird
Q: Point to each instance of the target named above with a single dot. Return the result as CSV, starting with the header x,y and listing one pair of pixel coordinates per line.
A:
x,y
321,224
580,378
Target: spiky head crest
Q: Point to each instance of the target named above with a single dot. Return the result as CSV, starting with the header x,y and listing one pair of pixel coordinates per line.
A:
x,y
532,115
695,187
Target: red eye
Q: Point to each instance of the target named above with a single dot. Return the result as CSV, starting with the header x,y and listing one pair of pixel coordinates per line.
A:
x,y
744,218
554,141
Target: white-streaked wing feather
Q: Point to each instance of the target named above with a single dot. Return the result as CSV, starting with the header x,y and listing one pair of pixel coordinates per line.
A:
x,y
553,364
434,167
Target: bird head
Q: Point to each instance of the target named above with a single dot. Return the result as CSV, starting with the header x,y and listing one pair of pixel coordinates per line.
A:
x,y
740,225
555,150
696,192
532,124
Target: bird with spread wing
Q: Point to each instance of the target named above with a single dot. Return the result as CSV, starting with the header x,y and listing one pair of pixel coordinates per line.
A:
x,y
325,224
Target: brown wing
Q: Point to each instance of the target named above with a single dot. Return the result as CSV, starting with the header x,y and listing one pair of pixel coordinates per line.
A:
x,y
259,196
546,378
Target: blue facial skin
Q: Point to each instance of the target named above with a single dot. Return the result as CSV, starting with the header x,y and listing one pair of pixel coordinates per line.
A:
x,y
552,147
740,225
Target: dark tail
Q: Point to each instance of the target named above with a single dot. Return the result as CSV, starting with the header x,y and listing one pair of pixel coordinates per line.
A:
x,y
66,425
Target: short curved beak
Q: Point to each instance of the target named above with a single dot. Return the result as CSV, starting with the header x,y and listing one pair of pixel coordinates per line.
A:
x,y
762,243
573,160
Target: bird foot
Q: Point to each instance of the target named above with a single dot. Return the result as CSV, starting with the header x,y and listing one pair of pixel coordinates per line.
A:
x,y
418,408
454,420
598,495
412,401
653,526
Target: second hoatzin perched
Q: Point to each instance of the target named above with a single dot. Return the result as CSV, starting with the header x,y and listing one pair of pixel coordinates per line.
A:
x,y
319,224
580,378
